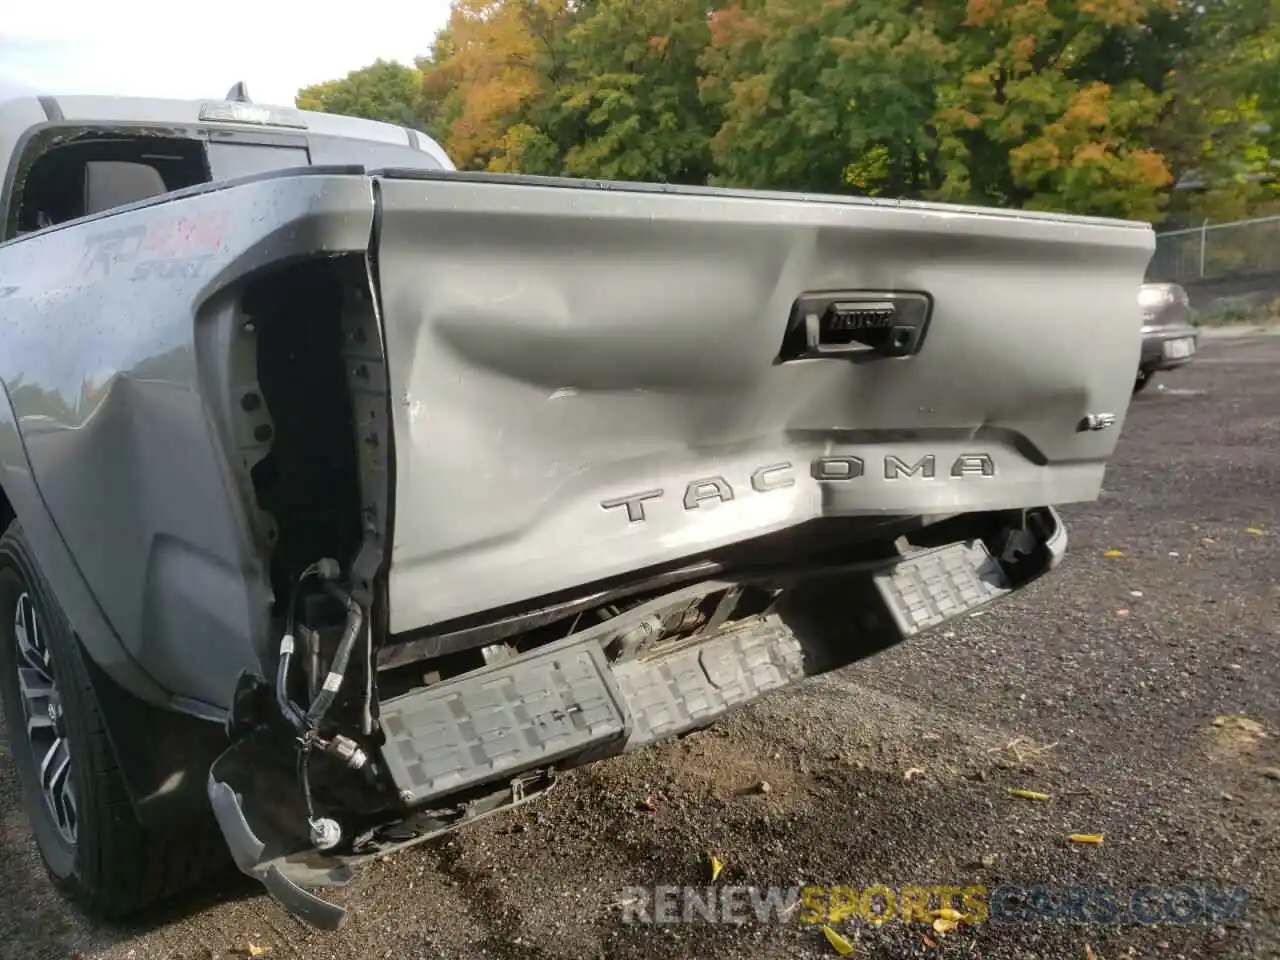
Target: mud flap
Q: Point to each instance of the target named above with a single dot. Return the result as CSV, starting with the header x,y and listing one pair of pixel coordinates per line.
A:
x,y
248,852
272,849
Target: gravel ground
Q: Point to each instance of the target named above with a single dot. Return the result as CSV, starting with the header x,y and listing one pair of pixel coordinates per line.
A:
x,y
1099,686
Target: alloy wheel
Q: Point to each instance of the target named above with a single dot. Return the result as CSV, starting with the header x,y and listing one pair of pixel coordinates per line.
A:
x,y
46,727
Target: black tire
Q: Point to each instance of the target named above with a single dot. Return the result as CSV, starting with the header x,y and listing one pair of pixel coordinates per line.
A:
x,y
1143,378
114,866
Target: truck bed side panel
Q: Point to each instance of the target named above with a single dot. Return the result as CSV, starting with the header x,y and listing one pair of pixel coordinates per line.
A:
x,y
109,383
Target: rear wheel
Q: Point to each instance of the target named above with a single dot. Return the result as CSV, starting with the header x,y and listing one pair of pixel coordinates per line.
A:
x,y
95,849
1143,378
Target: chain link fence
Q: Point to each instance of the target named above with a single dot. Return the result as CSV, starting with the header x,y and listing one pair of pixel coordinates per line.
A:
x,y
1218,251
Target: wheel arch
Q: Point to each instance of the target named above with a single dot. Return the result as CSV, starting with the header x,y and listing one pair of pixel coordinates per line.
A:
x,y
7,516
166,781
21,500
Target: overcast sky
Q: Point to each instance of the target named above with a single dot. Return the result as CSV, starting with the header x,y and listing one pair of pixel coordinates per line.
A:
x,y
172,49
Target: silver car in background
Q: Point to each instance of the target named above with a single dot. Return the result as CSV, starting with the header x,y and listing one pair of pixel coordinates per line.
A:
x,y
1169,336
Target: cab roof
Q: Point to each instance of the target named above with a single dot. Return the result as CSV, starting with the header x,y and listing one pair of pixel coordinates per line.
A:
x,y
224,113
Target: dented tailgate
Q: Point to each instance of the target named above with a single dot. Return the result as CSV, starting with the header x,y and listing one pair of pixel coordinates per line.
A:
x,y
589,379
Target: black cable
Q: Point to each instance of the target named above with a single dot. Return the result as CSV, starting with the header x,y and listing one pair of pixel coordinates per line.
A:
x,y
304,777
338,668
291,614
290,710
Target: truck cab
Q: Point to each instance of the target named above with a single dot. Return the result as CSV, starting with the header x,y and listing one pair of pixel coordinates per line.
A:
x,y
68,157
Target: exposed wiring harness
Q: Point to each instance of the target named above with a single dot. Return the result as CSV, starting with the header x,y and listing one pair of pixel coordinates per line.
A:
x,y
327,571
307,723
341,657
291,711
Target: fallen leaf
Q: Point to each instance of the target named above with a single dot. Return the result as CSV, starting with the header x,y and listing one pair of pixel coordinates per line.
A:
x,y
1113,553
949,914
1255,531
838,943
1122,612
913,773
649,804
1088,953
1027,794
943,925
927,941
716,866
1085,838
252,950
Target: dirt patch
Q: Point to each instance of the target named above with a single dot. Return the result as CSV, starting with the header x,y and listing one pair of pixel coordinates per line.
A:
x,y
1235,735
711,764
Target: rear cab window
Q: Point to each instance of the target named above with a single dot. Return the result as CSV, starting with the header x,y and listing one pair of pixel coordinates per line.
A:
x,y
63,175
229,160
68,171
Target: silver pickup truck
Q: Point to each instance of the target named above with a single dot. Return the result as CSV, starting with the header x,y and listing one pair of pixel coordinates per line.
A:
x,y
349,498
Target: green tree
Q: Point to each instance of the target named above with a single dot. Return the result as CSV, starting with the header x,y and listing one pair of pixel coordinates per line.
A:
x,y
1220,129
1088,106
1035,117
626,105
439,99
384,90
825,96
491,65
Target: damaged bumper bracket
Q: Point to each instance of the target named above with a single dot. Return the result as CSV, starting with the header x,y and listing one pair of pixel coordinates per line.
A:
x,y
505,728
271,850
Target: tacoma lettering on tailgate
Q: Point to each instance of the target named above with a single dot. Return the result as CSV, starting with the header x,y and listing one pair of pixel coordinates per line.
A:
x,y
825,469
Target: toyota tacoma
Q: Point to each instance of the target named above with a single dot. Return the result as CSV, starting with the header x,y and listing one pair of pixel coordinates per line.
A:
x,y
348,497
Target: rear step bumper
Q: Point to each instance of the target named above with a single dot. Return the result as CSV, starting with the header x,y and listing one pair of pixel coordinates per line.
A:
x,y
506,728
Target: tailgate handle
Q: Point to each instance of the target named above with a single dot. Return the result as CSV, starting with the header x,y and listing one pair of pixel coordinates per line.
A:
x,y
861,324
